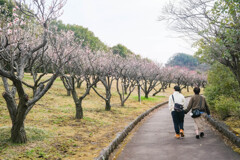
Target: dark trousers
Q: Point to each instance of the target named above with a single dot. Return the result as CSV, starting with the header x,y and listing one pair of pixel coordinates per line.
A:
x,y
178,120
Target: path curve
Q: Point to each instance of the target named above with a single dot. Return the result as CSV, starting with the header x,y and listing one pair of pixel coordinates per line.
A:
x,y
154,140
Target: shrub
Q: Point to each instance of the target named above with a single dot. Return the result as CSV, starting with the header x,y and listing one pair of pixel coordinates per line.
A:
x,y
211,93
225,106
236,111
221,81
222,91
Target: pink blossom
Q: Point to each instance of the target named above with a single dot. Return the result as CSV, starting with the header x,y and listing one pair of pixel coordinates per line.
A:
x,y
9,24
9,31
22,23
16,20
15,15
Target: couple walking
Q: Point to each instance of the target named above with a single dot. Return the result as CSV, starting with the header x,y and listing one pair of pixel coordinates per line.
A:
x,y
198,106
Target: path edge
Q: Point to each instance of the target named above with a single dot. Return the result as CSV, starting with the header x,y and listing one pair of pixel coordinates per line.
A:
x,y
220,126
105,153
224,129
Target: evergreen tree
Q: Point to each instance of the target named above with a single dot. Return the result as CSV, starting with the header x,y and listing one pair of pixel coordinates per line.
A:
x,y
183,60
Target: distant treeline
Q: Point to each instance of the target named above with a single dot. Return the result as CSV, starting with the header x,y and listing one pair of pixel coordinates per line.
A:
x,y
186,61
89,39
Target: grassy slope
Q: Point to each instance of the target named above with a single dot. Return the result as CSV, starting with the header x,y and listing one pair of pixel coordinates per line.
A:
x,y
54,133
234,124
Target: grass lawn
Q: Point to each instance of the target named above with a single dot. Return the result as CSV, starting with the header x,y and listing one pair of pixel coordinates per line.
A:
x,y
53,132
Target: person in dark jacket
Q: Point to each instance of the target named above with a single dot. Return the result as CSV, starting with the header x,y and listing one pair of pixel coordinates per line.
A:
x,y
195,103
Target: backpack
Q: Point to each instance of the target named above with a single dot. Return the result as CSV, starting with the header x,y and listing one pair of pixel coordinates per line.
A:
x,y
196,112
177,107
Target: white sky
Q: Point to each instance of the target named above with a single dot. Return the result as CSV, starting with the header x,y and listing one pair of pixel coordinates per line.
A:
x,y
132,23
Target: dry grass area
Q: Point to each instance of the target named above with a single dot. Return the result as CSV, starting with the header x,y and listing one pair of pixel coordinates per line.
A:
x,y
54,133
234,124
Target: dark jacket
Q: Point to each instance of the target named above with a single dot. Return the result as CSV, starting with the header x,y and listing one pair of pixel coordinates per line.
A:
x,y
195,102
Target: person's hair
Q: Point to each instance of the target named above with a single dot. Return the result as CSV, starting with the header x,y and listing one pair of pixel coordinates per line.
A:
x,y
177,88
196,90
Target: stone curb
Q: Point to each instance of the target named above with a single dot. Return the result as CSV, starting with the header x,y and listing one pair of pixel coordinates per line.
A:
x,y
224,129
105,153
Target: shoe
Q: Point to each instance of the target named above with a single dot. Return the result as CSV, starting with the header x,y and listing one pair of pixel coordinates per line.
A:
x,y
177,136
181,132
197,136
201,134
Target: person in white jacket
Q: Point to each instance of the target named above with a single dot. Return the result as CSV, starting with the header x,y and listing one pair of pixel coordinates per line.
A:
x,y
177,115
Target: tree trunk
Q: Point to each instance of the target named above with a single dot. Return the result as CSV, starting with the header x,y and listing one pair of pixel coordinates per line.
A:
x,y
139,93
238,78
17,112
238,83
125,89
18,115
79,109
95,85
125,86
146,94
18,134
108,105
122,103
68,92
79,84
94,79
87,85
154,94
67,84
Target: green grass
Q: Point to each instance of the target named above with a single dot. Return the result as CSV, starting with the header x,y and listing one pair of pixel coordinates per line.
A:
x,y
4,117
33,134
2,101
160,96
59,119
150,99
35,152
94,121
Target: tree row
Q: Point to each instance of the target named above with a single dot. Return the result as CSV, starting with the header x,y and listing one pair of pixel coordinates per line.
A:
x,y
31,43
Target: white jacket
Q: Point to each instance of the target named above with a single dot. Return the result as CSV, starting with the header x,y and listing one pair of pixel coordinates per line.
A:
x,y
178,98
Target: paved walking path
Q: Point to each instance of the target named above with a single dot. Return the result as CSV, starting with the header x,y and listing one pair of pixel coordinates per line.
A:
x,y
155,140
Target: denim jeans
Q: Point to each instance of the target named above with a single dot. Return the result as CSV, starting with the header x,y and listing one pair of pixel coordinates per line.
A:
x,y
178,120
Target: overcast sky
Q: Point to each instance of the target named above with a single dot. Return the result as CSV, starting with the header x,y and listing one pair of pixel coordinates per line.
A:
x,y
133,23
